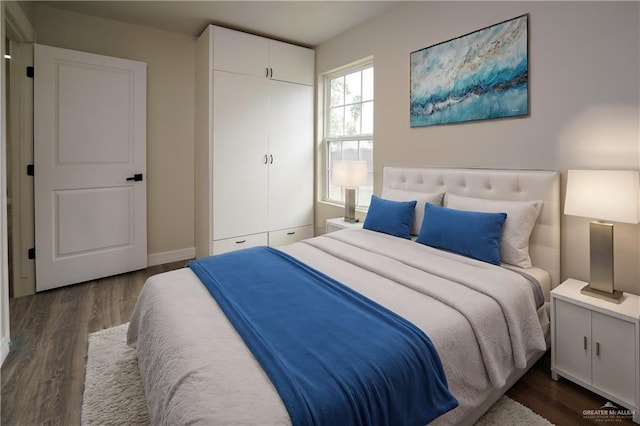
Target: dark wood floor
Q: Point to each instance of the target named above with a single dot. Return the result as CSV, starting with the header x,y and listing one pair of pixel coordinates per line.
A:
x,y
43,375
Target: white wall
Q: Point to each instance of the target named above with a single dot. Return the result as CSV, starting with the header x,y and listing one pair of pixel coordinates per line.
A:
x,y
584,96
170,61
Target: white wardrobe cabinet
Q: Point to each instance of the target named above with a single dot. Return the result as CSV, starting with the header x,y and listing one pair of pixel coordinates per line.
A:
x,y
254,142
243,53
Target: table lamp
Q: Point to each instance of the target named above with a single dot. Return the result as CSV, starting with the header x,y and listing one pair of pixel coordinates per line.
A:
x,y
611,195
349,175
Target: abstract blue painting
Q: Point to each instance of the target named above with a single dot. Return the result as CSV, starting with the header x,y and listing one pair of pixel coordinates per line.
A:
x,y
481,75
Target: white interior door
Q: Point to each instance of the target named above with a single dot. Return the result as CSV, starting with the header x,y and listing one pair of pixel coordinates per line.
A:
x,y
89,140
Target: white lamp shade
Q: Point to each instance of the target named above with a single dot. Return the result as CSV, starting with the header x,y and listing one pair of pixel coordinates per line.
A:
x,y
349,174
612,195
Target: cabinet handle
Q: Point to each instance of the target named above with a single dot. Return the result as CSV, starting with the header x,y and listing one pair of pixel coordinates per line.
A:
x,y
291,233
271,76
241,241
585,343
266,159
271,159
597,348
266,72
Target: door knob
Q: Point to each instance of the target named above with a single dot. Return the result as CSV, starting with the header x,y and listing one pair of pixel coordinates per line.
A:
x,y
136,178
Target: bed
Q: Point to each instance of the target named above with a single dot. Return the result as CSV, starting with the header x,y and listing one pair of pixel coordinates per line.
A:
x,y
485,321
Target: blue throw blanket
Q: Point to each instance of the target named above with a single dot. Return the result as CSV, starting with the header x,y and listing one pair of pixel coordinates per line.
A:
x,y
334,356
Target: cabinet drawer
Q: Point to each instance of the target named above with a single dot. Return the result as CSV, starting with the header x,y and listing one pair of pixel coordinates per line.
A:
x,y
241,242
291,235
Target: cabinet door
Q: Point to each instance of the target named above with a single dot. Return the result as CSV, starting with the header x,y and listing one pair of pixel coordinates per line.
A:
x,y
572,345
614,369
291,63
240,147
291,155
239,52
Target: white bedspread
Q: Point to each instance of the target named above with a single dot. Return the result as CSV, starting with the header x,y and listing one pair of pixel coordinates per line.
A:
x,y
196,369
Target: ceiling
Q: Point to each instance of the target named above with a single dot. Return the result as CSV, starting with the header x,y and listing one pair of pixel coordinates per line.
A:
x,y
308,23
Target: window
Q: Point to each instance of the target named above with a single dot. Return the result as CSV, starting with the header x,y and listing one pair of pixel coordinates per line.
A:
x,y
349,126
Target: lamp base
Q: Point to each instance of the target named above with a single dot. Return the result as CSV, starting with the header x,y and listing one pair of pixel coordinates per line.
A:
x,y
601,256
350,205
615,297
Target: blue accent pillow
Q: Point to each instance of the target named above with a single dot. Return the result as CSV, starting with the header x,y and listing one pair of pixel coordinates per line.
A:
x,y
391,217
469,233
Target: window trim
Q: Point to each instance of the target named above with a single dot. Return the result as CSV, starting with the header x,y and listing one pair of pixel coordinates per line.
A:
x,y
326,104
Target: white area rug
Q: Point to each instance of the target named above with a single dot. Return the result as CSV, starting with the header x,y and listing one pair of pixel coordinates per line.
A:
x,y
113,393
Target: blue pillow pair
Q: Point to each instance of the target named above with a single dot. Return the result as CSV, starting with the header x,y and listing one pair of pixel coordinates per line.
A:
x,y
471,234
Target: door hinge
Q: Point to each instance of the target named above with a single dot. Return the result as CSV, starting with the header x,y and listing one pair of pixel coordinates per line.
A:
x,y
31,253
30,170
30,72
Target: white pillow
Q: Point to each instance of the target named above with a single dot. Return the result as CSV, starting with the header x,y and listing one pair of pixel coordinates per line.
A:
x,y
421,199
521,217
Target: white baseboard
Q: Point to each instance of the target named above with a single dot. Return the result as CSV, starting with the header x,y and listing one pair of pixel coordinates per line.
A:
x,y
4,350
171,256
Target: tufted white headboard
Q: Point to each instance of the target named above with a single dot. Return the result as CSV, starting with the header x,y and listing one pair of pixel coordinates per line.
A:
x,y
514,185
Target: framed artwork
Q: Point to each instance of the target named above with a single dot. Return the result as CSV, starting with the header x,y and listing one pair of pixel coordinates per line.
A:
x,y
478,76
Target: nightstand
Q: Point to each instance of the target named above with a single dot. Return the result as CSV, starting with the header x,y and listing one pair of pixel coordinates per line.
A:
x,y
596,344
338,223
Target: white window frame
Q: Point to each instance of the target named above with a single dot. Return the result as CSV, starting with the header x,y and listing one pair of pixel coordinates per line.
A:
x,y
360,66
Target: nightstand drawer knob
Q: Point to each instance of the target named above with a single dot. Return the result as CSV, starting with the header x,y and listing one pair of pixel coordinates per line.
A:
x,y
585,343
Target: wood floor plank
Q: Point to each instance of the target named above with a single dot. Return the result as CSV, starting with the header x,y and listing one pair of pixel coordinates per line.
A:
x,y
27,352
43,376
